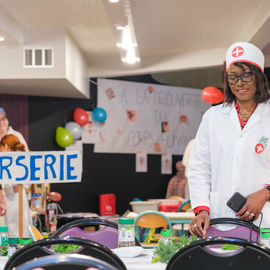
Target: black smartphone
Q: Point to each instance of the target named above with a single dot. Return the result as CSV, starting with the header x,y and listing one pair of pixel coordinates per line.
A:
x,y
236,202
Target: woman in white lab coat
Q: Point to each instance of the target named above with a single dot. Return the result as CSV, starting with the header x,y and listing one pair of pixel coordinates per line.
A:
x,y
10,143
231,152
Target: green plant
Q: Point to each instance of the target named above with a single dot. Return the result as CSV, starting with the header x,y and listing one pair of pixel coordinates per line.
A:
x,y
164,252
65,248
3,251
229,247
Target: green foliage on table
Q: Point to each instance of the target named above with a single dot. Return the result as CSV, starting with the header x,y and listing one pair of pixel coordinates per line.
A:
x,y
65,248
229,247
164,252
3,251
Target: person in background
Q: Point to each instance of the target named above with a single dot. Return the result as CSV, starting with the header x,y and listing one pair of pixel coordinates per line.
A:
x,y
185,162
231,152
11,143
176,186
5,129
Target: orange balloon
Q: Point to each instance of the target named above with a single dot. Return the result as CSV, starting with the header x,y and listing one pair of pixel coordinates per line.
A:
x,y
212,95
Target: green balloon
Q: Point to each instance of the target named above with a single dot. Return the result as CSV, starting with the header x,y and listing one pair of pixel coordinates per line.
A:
x,y
63,137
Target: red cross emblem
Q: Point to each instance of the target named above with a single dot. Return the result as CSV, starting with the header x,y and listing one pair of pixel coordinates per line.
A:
x,y
259,148
237,51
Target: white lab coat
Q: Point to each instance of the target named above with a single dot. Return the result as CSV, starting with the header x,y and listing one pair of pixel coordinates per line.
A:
x,y
12,215
224,160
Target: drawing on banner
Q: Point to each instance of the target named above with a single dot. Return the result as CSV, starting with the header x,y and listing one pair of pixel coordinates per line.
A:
x,y
90,130
132,116
110,93
141,161
155,118
157,147
166,164
165,127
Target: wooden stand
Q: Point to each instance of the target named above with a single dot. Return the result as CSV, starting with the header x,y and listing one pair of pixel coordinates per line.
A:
x,y
20,211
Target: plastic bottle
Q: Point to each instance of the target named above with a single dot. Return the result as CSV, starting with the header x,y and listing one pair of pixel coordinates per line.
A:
x,y
13,245
165,236
3,236
126,232
3,240
265,236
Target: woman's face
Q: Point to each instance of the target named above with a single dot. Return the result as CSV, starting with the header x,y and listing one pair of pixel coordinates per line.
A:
x,y
180,167
3,124
243,91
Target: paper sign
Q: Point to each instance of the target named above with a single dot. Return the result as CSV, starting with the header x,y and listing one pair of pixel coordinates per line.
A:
x,y
141,161
40,167
166,164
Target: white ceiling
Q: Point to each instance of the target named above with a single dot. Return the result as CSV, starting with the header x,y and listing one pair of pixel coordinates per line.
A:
x,y
172,35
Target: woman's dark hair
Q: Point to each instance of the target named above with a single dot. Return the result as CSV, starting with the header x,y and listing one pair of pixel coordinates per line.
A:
x,y
262,94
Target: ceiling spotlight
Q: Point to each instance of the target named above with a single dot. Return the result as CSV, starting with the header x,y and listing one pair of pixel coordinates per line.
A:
x,y
127,40
2,38
131,57
113,1
120,27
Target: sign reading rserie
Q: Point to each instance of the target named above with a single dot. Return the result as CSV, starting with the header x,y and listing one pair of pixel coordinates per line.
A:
x,y
40,167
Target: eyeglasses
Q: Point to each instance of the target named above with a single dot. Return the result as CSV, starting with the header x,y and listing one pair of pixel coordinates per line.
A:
x,y
245,77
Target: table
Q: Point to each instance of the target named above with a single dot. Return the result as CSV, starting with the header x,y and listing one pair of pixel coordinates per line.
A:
x,y
143,262
174,217
3,261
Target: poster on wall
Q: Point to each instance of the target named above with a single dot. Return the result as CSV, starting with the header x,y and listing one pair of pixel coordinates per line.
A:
x,y
166,164
141,161
156,118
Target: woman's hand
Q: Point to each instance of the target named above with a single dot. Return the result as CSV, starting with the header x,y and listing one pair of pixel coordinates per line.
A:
x,y
255,202
3,207
200,224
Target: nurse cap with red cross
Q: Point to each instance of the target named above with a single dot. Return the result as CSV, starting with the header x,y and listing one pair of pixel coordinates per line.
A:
x,y
245,52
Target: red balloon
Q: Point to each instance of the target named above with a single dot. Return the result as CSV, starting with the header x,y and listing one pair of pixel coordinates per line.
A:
x,y
80,116
212,95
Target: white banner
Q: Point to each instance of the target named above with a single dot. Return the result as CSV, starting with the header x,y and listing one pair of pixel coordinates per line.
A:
x,y
153,118
40,167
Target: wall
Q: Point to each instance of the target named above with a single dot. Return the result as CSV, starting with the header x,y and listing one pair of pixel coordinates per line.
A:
x,y
102,173
11,66
16,108
76,66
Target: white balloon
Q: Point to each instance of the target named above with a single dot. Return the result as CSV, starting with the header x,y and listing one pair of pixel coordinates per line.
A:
x,y
75,130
